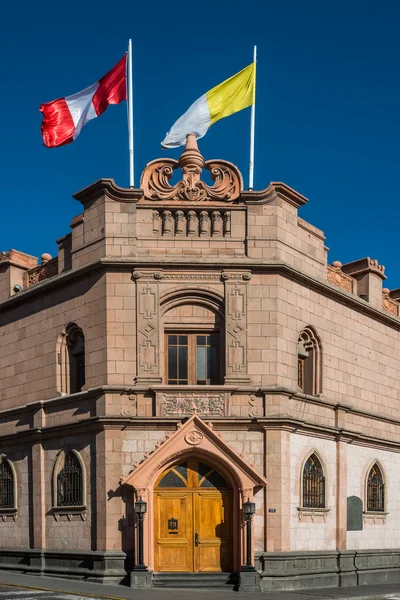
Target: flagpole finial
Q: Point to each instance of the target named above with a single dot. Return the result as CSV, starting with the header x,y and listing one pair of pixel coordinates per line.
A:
x,y
191,157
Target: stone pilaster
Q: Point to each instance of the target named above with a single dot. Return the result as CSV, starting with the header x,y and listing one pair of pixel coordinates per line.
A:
x,y
341,494
236,326
278,490
148,327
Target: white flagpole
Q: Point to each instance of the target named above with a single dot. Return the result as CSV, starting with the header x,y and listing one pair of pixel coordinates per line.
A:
x,y
252,125
130,117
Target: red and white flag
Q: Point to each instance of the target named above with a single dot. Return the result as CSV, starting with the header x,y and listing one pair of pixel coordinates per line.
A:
x,y
64,118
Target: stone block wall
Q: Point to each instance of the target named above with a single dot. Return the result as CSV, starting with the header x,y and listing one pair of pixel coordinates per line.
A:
x,y
379,532
310,531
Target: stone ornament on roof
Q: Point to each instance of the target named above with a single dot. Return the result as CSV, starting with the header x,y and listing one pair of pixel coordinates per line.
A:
x,y
228,182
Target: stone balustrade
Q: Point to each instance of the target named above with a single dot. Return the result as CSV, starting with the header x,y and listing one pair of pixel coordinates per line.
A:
x,y
192,223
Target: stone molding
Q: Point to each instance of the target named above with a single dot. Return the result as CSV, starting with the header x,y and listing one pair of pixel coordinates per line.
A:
x,y
287,271
108,187
313,515
358,268
374,517
275,190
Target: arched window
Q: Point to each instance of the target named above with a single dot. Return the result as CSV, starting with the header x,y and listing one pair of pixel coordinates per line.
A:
x,y
309,362
71,360
375,490
76,353
7,484
313,483
68,480
193,341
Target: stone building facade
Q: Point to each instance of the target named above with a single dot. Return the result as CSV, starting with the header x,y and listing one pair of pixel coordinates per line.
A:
x,y
191,346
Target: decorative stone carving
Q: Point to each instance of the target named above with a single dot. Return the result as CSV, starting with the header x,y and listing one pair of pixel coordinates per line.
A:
x,y
168,222
227,178
129,408
147,295
336,276
236,328
192,223
388,303
48,268
194,437
204,219
255,407
216,223
180,223
227,223
156,222
180,404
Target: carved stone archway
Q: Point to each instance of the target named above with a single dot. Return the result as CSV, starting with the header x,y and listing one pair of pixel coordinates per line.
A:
x,y
195,437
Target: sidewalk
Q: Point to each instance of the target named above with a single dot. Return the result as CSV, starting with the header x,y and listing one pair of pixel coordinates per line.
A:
x,y
118,592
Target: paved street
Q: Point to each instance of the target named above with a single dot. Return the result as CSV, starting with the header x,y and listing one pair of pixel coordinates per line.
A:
x,y
13,593
50,588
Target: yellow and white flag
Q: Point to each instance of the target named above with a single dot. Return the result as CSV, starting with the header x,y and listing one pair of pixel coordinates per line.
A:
x,y
230,96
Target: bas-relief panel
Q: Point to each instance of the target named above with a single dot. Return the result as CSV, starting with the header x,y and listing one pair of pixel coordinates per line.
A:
x,y
170,405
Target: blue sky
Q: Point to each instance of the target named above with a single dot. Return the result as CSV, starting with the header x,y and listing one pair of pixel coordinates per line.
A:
x,y
328,100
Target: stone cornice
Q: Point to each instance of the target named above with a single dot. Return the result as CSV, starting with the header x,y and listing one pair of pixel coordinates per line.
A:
x,y
108,187
276,189
285,270
282,423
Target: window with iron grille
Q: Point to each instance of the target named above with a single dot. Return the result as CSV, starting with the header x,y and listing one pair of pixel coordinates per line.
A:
x,y
7,499
375,490
69,482
313,484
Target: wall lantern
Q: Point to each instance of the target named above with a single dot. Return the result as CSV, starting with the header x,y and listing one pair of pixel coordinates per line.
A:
x,y
249,509
140,511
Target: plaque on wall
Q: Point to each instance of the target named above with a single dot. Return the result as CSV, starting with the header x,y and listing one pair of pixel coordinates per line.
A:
x,y
354,513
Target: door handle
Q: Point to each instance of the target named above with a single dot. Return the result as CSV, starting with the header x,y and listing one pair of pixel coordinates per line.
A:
x,y
196,539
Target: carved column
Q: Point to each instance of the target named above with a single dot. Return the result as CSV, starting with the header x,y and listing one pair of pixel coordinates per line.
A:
x,y
236,326
148,320
156,222
168,222
216,223
180,223
192,223
227,224
204,223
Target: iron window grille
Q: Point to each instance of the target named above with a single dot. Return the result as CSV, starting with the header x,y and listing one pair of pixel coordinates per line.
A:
x,y
69,482
375,490
7,499
313,484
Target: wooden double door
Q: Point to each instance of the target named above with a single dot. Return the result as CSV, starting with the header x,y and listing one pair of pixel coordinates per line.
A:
x,y
193,520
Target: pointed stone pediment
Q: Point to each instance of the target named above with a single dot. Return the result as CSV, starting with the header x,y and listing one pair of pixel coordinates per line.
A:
x,y
197,438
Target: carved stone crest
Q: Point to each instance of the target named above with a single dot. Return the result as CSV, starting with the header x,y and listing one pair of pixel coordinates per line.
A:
x,y
227,178
194,437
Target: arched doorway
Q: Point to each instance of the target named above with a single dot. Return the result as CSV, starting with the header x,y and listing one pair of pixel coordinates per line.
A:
x,y
193,519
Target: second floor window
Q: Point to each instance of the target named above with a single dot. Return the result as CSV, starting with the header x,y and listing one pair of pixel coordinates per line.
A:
x,y
192,359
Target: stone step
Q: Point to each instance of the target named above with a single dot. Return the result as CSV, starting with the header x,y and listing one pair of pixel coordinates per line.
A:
x,y
215,581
